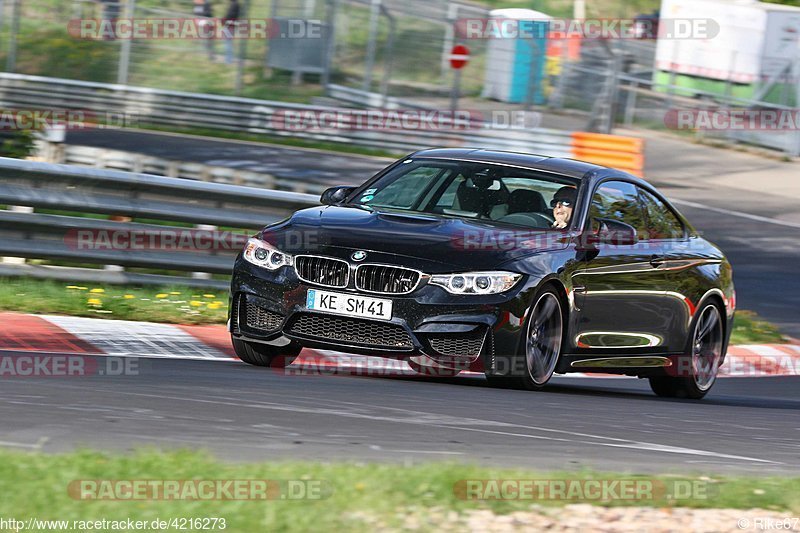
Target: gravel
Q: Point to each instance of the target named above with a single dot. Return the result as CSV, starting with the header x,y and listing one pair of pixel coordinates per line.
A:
x,y
588,518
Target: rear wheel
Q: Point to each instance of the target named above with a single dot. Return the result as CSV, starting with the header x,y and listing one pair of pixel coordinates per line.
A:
x,y
264,354
541,347
697,371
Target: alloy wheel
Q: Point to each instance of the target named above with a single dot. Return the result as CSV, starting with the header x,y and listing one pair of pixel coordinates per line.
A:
x,y
707,348
543,340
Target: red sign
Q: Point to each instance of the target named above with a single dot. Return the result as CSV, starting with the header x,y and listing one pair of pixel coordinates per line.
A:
x,y
459,56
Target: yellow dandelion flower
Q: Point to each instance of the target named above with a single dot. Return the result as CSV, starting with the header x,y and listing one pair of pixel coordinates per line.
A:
x,y
94,301
129,296
175,293
215,305
73,287
209,296
98,291
162,295
195,303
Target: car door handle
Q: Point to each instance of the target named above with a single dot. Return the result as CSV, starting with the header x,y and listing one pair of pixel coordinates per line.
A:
x,y
656,261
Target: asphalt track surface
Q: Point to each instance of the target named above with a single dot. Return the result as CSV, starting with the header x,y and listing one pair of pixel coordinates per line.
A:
x,y
309,166
745,425
244,413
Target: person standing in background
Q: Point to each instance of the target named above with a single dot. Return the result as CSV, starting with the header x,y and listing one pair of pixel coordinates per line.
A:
x,y
228,27
205,24
111,10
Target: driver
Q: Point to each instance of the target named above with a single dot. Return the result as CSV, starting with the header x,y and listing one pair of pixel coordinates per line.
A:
x,y
563,203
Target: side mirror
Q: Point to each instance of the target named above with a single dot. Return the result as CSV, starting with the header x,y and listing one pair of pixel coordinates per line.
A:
x,y
615,232
610,232
335,195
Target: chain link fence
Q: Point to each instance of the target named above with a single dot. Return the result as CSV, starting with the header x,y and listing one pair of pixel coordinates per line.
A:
x,y
394,46
390,45
38,37
397,48
614,84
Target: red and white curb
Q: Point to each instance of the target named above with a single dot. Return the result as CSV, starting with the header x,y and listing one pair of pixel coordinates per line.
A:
x,y
123,338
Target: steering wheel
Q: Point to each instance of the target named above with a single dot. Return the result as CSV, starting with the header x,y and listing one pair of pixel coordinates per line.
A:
x,y
531,220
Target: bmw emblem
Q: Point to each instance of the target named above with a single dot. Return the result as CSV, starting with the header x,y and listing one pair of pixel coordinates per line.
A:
x,y
359,255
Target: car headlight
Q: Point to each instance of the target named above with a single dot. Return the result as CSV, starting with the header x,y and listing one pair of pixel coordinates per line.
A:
x,y
476,282
265,255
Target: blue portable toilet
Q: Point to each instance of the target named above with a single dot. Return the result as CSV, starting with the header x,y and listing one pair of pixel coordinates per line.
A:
x,y
516,55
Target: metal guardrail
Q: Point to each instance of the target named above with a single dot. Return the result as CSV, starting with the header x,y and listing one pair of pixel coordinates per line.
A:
x,y
362,98
685,98
173,109
104,158
89,191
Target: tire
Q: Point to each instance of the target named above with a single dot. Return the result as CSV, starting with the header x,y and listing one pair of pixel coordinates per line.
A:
x,y
697,369
540,346
265,355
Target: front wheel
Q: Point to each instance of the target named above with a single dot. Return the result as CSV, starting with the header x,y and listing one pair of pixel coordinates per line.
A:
x,y
258,354
541,346
696,371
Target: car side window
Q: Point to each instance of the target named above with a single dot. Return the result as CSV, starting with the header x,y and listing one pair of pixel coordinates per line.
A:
x,y
662,223
448,198
618,200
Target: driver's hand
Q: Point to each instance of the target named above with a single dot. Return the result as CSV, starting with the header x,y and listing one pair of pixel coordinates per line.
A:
x,y
560,222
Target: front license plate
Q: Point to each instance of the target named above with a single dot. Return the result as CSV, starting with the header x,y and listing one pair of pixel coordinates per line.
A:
x,y
349,304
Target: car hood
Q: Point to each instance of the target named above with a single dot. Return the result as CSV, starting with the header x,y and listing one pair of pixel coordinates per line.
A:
x,y
430,242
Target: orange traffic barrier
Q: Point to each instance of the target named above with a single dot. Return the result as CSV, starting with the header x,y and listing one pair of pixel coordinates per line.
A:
x,y
624,153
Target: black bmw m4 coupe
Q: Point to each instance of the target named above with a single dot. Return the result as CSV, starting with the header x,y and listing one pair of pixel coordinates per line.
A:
x,y
515,265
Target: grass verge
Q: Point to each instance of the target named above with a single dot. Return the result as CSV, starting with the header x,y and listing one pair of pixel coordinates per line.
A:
x,y
182,305
176,305
748,328
36,485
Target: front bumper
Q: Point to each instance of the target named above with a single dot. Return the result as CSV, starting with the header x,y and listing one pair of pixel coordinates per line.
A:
x,y
270,306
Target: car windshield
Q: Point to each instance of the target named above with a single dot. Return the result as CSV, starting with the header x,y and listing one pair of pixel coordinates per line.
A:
x,y
507,195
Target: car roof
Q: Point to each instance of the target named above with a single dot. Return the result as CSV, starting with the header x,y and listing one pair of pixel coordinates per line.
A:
x,y
568,167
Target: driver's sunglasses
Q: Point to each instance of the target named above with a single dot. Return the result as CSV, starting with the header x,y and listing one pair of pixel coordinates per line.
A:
x,y
564,203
